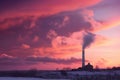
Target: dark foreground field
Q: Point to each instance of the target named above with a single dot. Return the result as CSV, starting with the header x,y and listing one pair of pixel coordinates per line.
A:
x,y
60,75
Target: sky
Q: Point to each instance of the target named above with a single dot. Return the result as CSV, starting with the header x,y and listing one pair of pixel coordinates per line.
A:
x,y
50,34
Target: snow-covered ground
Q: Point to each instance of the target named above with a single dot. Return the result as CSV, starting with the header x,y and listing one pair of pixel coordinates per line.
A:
x,y
21,78
82,73
74,75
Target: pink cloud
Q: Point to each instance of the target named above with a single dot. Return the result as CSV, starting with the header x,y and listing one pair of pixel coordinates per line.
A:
x,y
8,23
25,46
51,34
6,56
53,60
41,7
36,39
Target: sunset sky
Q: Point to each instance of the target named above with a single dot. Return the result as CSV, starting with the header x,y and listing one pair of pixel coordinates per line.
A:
x,y
49,34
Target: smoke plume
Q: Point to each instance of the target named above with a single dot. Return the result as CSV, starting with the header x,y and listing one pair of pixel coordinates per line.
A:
x,y
88,38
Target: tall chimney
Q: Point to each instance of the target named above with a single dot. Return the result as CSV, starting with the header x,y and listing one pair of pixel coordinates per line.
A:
x,y
83,58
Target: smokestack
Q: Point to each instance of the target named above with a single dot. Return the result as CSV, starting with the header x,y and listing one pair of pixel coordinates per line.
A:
x,y
88,38
83,58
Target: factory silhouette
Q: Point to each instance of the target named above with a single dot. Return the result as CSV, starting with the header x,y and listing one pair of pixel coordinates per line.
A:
x,y
88,38
87,67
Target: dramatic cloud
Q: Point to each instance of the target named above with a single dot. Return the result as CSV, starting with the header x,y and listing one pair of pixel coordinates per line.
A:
x,y
46,28
57,35
41,7
53,31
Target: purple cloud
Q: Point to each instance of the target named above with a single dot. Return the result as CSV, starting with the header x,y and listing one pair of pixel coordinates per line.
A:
x,y
53,60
